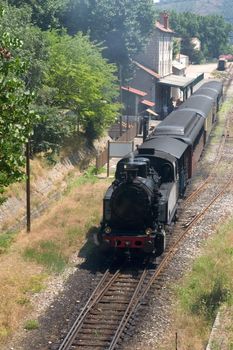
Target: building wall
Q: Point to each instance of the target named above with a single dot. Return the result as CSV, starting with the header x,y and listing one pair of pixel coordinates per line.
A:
x,y
145,82
158,53
164,60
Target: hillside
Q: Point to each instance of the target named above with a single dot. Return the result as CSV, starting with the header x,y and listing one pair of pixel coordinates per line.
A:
x,y
208,7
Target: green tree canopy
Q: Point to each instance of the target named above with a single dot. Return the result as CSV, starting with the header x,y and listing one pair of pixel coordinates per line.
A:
x,y
34,48
122,25
44,12
213,32
81,81
16,117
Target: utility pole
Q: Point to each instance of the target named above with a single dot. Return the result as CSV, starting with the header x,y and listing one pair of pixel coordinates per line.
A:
x,y
120,76
28,189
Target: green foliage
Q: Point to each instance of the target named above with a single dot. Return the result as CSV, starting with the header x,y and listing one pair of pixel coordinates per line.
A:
x,y
44,13
83,82
89,176
33,49
187,48
48,254
123,25
31,324
16,117
52,130
176,47
212,31
201,297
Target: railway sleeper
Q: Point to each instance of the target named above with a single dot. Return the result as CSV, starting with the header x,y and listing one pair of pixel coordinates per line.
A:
x,y
101,325
109,318
126,289
94,342
110,307
112,313
87,347
96,334
116,300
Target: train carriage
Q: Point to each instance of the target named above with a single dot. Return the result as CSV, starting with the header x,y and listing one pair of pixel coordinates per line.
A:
x,y
188,127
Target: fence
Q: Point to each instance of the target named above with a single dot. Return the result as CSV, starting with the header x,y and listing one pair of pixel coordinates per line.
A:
x,y
129,135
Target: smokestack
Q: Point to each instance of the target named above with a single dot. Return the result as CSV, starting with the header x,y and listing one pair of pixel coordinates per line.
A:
x,y
165,19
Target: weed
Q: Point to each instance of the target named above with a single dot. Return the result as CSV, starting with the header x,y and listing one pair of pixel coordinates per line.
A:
x,y
6,239
23,301
4,332
206,288
35,284
31,324
89,176
202,296
48,254
72,234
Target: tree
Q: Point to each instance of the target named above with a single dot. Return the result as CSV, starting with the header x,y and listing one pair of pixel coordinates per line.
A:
x,y
16,117
44,12
213,32
176,47
34,48
82,82
122,25
188,48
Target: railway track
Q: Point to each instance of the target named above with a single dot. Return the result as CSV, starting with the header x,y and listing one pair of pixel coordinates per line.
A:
x,y
107,316
113,305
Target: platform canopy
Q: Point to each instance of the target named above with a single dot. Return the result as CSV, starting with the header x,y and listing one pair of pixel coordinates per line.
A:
x,y
180,81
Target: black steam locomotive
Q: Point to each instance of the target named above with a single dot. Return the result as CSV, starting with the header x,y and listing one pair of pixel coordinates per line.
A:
x,y
143,198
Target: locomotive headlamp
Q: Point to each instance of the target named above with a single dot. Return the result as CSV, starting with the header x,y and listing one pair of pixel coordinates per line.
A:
x,y
108,229
148,231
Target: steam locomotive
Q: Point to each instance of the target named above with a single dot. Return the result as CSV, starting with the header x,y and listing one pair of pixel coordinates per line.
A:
x,y
143,198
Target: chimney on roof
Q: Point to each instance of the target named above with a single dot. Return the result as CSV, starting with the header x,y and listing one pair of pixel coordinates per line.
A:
x,y
165,19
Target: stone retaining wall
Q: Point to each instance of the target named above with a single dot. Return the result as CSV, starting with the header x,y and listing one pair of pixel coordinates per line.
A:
x,y
43,191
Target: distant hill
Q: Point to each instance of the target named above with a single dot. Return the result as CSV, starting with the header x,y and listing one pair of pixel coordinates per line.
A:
x,y
207,7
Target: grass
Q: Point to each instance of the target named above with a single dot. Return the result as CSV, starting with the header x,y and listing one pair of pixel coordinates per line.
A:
x,y
219,127
89,177
31,325
6,239
34,284
48,254
30,258
205,289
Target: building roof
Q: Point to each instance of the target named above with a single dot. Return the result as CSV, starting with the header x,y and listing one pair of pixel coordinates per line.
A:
x,y
151,112
178,65
159,26
147,70
165,144
177,81
134,91
147,103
